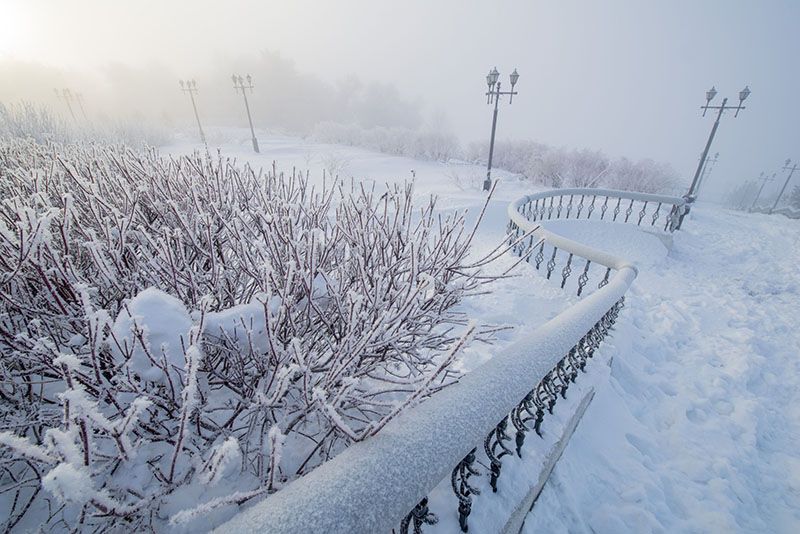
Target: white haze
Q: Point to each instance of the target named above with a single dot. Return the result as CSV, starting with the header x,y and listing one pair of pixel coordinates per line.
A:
x,y
623,76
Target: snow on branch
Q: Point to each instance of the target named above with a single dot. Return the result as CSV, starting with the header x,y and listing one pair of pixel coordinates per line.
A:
x,y
181,334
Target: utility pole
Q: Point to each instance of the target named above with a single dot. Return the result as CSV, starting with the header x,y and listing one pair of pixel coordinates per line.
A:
x,y
239,85
493,96
190,87
764,181
791,172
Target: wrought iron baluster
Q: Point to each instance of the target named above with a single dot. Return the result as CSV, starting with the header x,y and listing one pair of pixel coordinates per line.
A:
x,y
550,209
563,378
539,255
566,271
509,230
569,206
580,353
419,515
575,363
673,218
517,419
551,388
584,277
629,211
604,281
656,214
459,480
591,207
580,208
560,206
540,400
642,213
494,441
528,248
552,263
616,209
603,209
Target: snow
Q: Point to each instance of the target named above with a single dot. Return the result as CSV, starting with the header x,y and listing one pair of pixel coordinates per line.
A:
x,y
694,430
693,427
697,429
163,320
69,483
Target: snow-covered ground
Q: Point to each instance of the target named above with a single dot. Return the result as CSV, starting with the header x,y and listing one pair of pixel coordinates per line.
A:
x,y
698,428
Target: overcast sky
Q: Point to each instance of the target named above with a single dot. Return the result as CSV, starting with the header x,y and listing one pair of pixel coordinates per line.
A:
x,y
624,76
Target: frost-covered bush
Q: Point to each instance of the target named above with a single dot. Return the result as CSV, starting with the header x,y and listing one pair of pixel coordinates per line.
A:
x,y
179,335
25,120
560,167
424,143
741,197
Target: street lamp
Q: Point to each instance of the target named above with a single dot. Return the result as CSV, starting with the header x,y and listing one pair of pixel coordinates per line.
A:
x,y
710,95
791,172
79,98
764,181
190,87
493,96
67,96
240,85
709,166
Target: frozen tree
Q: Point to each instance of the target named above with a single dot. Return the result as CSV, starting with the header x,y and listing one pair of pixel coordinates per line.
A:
x,y
742,196
645,176
559,167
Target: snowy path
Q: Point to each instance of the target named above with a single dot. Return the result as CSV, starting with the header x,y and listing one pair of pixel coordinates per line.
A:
x,y
698,429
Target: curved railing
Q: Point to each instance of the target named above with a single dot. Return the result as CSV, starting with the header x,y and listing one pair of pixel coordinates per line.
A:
x,y
642,209
372,485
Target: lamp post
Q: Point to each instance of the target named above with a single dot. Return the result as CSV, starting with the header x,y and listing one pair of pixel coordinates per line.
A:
x,y
190,87
710,94
764,181
493,96
791,172
709,166
239,85
79,98
67,96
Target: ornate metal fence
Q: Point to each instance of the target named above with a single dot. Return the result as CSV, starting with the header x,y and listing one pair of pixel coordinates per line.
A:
x,y
383,482
558,256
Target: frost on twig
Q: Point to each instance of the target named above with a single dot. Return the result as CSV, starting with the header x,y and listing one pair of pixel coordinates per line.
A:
x,y
180,333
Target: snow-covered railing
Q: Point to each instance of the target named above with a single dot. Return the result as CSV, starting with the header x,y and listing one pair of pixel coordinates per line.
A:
x,y
372,485
642,209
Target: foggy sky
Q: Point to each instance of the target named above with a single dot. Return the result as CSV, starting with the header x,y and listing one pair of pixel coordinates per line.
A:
x,y
623,76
